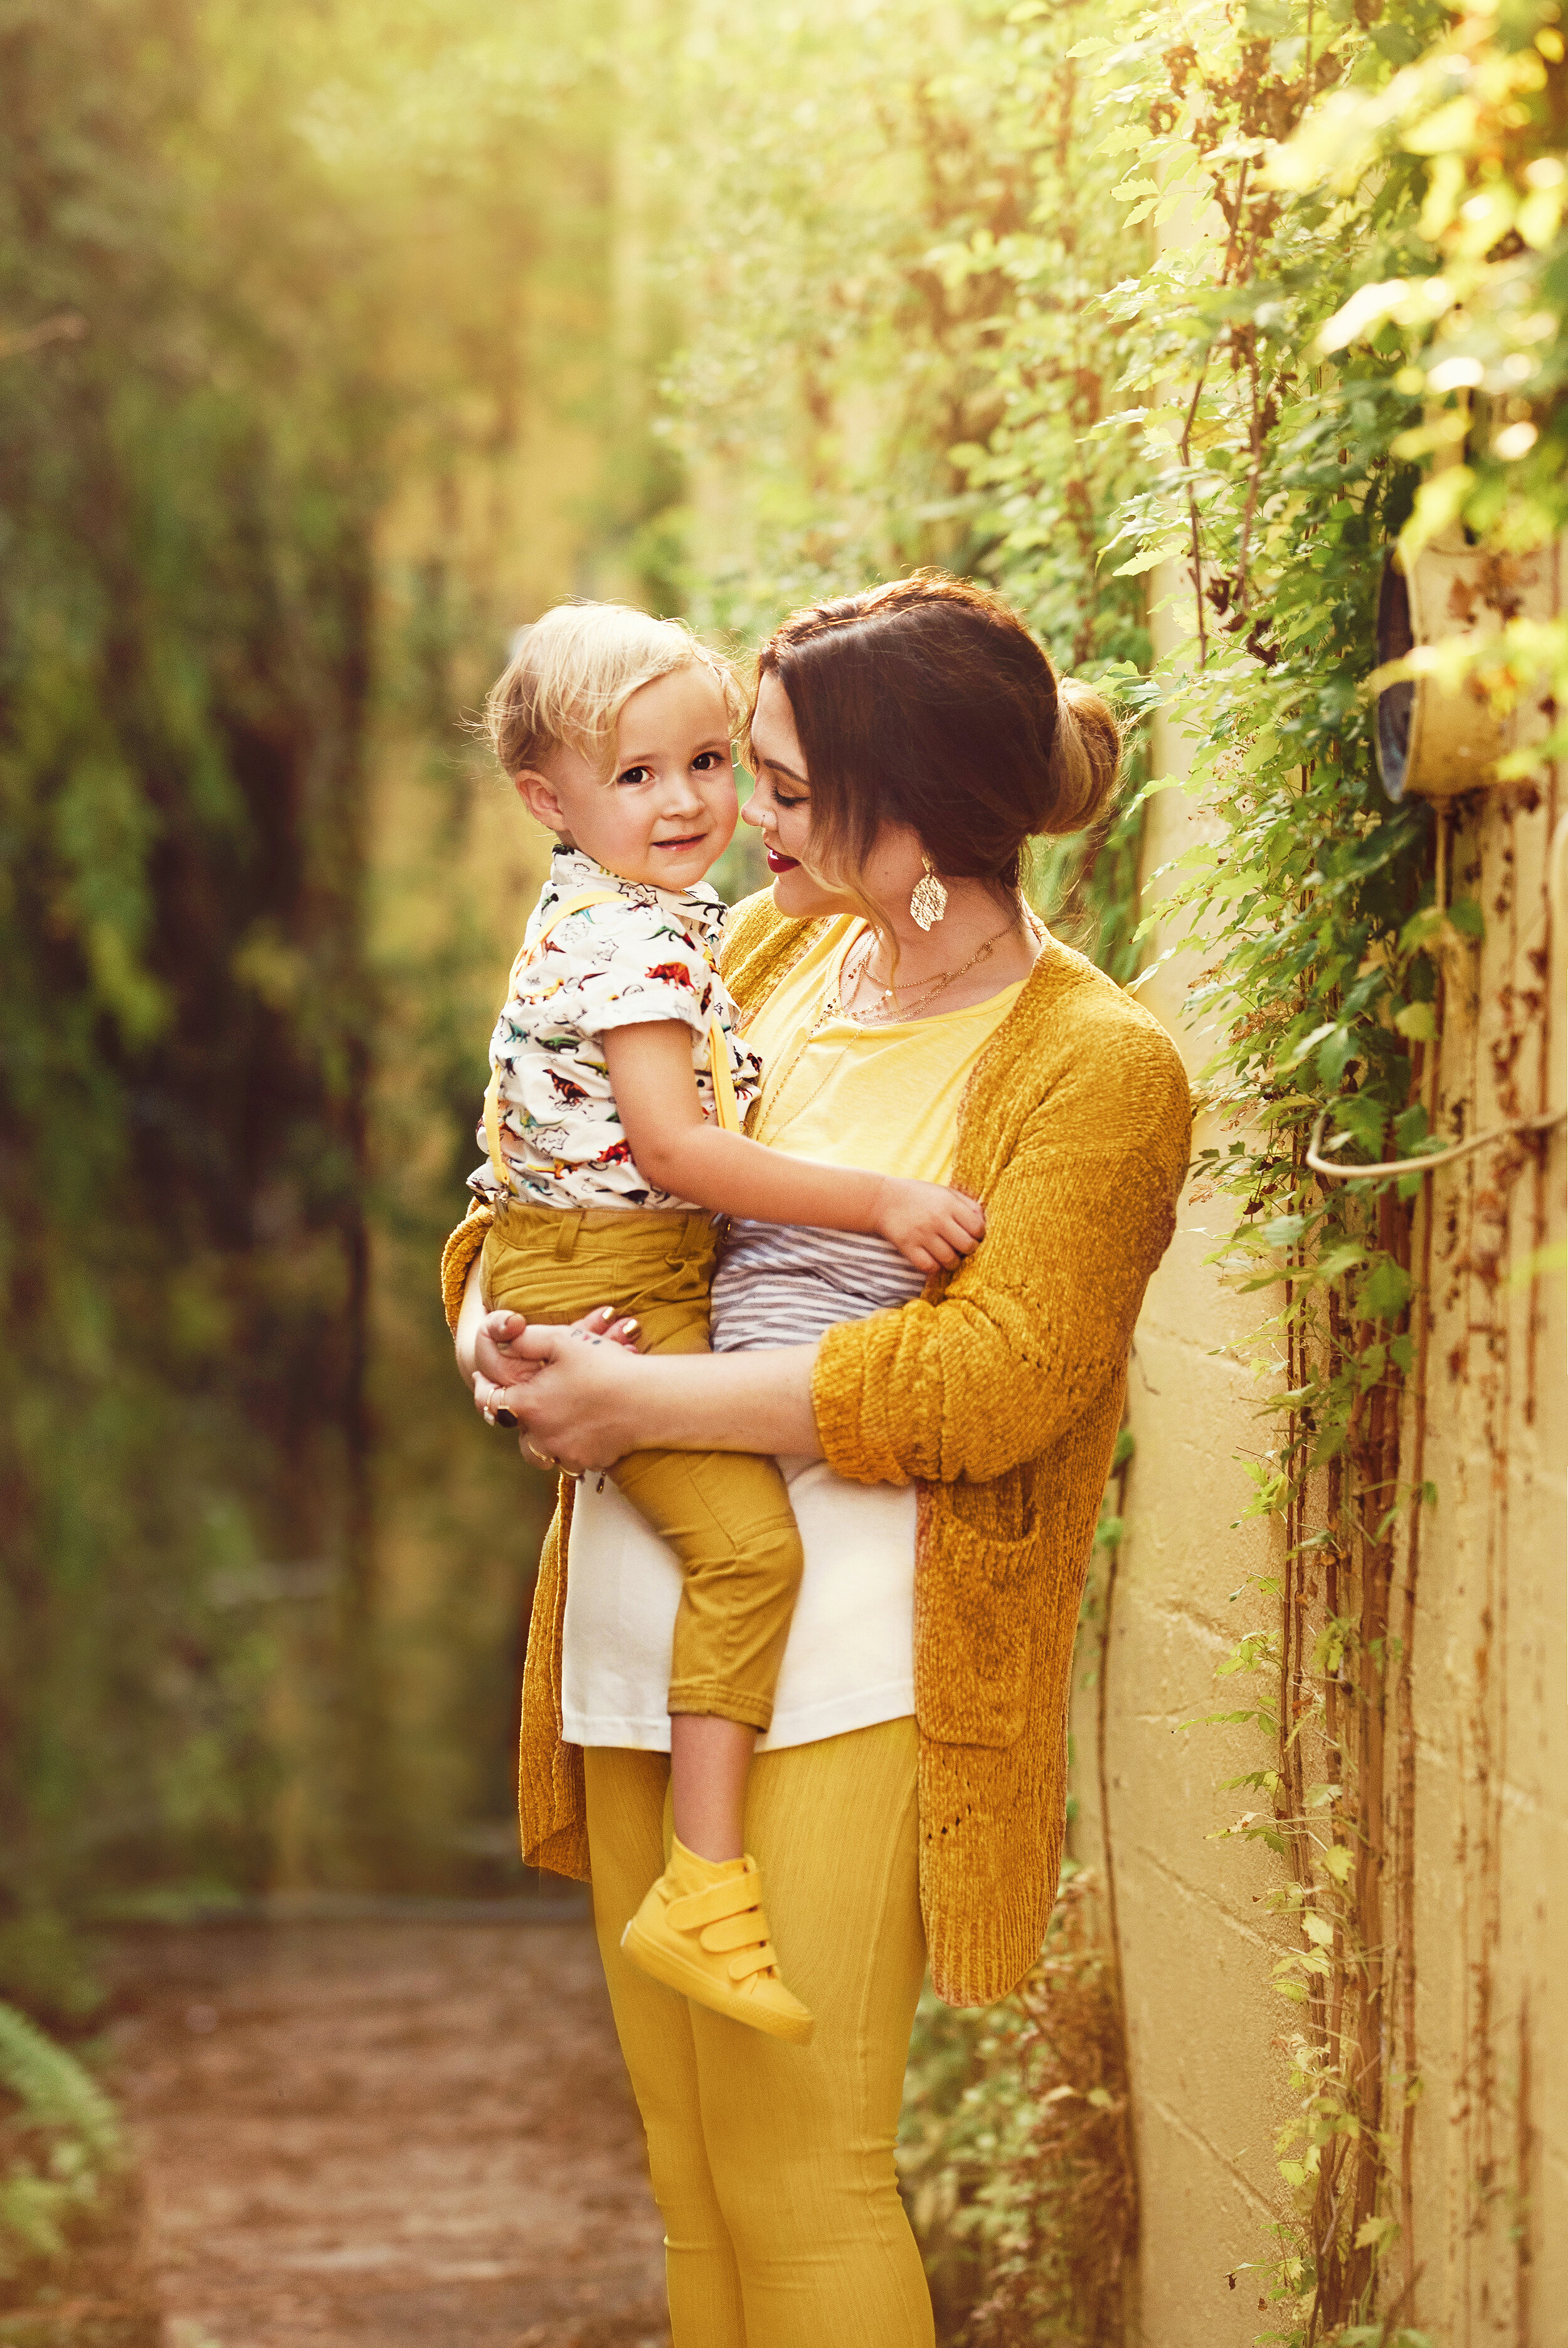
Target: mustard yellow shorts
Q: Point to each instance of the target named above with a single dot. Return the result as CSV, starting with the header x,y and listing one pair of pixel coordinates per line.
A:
x,y
725,1514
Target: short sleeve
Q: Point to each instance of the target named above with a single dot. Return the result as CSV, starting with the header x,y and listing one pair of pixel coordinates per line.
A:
x,y
636,967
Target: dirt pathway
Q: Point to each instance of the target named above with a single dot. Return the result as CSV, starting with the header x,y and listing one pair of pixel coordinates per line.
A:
x,y
374,2135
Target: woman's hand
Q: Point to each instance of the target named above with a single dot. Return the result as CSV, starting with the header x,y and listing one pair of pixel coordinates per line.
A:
x,y
582,1387
500,1368
578,1391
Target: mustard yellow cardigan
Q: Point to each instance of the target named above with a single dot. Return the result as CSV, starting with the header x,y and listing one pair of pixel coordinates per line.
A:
x,y
998,1396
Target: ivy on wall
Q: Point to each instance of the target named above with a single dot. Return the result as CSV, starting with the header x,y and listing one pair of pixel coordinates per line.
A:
x,y
1266,285
1362,272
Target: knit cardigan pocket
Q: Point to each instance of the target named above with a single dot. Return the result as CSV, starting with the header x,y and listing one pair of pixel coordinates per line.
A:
x,y
973,1636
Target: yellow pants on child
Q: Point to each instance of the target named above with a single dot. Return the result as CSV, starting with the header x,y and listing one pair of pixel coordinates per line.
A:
x,y
725,1514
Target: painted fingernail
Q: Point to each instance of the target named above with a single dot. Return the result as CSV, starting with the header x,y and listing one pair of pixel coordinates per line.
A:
x,y
506,1418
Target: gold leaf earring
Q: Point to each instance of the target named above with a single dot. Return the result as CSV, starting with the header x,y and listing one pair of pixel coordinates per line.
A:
x,y
929,902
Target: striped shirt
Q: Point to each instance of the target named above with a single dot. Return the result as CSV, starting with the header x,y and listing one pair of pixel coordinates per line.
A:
x,y
784,1284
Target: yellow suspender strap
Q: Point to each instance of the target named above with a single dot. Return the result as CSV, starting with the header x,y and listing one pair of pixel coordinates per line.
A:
x,y
725,1109
727,1114
492,1090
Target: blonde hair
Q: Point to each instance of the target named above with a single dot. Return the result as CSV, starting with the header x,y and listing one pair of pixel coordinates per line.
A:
x,y
572,673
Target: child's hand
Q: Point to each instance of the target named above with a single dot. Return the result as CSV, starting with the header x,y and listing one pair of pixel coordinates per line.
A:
x,y
930,1226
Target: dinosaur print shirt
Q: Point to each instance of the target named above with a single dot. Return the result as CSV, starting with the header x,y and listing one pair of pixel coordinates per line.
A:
x,y
650,953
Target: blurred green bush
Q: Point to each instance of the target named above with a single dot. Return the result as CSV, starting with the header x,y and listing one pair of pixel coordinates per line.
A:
x,y
275,391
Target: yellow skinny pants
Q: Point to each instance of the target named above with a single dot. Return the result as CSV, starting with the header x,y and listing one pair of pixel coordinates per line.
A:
x,y
773,2165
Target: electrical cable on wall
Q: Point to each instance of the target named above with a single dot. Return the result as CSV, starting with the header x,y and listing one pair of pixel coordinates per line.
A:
x,y
1557,872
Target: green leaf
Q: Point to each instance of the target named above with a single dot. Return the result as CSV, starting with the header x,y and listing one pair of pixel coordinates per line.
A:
x,y
1364,1119
1334,1055
1386,1291
1142,563
1285,1231
1410,1128
1417,1023
1467,917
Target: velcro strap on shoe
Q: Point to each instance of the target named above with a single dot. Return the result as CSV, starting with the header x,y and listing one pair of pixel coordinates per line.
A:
x,y
752,1960
733,1897
736,1931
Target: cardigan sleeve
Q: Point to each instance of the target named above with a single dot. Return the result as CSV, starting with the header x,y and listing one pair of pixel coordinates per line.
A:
x,y
1035,1324
462,1246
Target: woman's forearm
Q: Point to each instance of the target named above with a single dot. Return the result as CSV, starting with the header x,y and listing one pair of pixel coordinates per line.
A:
x,y
731,1402
585,1401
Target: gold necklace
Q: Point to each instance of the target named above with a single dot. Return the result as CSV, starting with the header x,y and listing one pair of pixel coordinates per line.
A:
x,y
926,989
830,1001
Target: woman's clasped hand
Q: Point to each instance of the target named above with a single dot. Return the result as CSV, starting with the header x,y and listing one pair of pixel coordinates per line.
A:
x,y
559,1386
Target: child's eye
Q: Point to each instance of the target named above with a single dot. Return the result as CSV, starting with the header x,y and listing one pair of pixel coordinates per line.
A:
x,y
636,775
707,759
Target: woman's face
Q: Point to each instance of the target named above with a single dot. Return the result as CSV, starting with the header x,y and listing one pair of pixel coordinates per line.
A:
x,y
780,807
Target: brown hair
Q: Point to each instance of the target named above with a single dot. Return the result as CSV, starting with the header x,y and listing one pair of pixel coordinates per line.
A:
x,y
928,703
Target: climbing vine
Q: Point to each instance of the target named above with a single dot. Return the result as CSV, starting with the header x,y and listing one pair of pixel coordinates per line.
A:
x,y
1196,311
1363,282
1268,285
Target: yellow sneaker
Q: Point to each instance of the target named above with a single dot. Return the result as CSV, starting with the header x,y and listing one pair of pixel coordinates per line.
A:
x,y
701,1931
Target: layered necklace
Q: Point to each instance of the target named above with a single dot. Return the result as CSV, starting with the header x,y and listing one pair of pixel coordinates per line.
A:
x,y
917,998
832,1004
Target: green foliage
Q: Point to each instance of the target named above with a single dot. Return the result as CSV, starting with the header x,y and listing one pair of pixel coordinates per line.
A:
x,y
1354,272
896,352
1013,2152
243,336
62,2143
1359,269
171,789
44,1965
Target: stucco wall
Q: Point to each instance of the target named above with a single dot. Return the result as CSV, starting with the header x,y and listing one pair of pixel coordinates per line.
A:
x,y
1489,2249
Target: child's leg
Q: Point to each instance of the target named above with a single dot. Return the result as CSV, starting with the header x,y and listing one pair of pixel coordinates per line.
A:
x,y
710,1761
727,1518
726,1515
702,1928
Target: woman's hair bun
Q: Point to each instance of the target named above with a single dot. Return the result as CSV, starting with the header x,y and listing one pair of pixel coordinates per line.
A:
x,y
1086,757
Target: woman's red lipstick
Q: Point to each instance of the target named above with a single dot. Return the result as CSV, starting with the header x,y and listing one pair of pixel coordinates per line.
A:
x,y
776,864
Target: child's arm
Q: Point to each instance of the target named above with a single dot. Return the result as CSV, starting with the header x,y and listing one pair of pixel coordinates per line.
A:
x,y
679,1151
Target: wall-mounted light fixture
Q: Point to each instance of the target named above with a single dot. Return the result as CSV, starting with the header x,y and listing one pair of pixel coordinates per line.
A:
x,y
1433,742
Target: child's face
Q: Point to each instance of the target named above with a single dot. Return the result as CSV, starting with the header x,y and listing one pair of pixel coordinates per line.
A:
x,y
668,812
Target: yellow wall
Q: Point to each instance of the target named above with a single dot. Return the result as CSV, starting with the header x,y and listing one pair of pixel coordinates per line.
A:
x,y
1489,2241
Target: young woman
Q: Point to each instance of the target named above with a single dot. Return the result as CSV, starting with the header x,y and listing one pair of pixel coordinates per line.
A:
x,y
946,1444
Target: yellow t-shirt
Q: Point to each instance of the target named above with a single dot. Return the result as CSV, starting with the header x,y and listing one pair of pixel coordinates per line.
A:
x,y
885,1098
